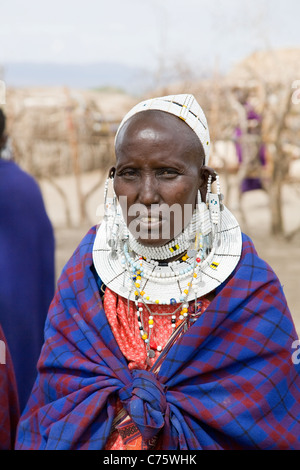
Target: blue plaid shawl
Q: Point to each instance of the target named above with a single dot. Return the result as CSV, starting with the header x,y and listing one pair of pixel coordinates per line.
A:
x,y
229,382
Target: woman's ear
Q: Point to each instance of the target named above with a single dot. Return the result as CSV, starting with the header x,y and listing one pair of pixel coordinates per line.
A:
x,y
205,172
111,172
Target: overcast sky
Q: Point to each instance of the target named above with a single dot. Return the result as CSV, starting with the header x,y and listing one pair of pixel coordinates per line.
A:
x,y
141,32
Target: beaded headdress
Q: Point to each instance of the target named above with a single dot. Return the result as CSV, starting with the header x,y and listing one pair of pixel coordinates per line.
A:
x,y
183,106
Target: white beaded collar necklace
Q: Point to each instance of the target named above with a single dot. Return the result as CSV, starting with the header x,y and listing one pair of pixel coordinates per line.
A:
x,y
195,276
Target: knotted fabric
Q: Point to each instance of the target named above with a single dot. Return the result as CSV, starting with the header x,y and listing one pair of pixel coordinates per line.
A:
x,y
145,402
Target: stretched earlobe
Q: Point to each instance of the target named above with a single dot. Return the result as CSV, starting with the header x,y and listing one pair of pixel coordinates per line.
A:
x,y
207,175
112,172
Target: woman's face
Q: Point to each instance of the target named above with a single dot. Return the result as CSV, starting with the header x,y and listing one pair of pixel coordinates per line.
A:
x,y
157,175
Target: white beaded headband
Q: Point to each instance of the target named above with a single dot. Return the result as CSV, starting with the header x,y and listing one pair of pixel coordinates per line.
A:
x,y
183,106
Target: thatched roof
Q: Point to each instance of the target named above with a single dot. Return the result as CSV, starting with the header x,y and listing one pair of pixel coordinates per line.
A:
x,y
47,123
273,66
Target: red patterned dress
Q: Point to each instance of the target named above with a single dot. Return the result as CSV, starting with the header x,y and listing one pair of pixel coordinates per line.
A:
x,y
123,321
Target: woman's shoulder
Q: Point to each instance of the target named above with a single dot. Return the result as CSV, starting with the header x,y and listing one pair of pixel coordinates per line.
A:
x,y
87,242
253,262
82,257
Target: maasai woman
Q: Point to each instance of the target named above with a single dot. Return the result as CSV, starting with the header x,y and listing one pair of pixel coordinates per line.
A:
x,y
167,331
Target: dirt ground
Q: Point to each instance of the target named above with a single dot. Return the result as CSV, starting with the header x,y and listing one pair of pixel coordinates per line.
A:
x,y
282,255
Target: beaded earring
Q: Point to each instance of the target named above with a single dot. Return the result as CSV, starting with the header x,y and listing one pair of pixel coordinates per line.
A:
x,y
205,227
215,206
110,203
220,195
205,222
110,215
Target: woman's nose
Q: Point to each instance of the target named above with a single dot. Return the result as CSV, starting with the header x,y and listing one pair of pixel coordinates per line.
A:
x,y
149,191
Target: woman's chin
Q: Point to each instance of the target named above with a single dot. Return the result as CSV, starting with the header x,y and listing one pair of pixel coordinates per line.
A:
x,y
152,243
152,233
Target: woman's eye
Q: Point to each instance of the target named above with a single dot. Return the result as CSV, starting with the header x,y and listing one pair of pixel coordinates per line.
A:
x,y
128,173
168,172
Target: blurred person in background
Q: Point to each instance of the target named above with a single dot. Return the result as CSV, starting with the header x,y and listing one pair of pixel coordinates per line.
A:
x,y
251,150
27,273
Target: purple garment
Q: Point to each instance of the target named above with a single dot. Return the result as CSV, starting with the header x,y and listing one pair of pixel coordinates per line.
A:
x,y
26,271
251,113
250,184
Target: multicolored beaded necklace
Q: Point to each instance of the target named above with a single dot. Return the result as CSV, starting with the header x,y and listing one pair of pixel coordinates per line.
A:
x,y
141,273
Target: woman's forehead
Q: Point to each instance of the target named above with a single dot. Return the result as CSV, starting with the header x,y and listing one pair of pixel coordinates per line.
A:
x,y
156,128
153,118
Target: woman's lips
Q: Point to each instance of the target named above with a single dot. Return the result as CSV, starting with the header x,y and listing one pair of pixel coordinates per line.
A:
x,y
150,228
150,222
